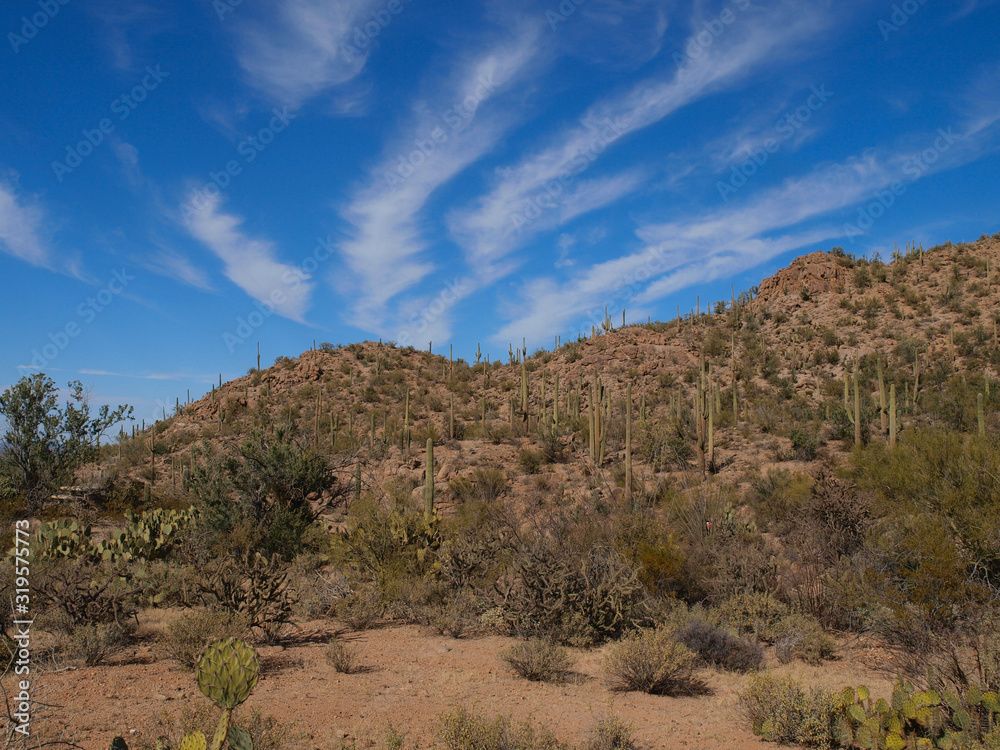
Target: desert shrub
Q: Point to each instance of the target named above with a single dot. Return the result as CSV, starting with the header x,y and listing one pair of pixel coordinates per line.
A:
x,y
385,545
611,733
779,710
803,444
79,592
255,499
344,658
539,660
192,631
94,644
362,608
802,637
752,614
778,498
462,729
666,446
485,485
251,585
530,461
651,661
456,616
720,648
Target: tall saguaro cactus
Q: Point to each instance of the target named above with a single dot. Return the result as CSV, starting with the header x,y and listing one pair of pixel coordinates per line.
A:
x,y
892,415
429,481
628,442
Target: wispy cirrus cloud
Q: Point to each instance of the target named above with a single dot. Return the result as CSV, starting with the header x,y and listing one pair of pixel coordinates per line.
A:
x,y
21,228
172,264
250,263
385,249
299,48
724,242
492,227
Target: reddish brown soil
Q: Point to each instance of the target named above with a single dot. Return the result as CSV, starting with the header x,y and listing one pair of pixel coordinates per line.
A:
x,y
415,676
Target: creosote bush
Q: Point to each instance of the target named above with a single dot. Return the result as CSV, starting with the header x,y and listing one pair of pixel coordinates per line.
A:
x,y
193,630
651,661
539,660
462,729
611,733
344,658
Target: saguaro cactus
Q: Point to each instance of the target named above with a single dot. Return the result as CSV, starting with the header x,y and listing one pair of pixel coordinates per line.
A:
x,y
892,415
429,481
628,441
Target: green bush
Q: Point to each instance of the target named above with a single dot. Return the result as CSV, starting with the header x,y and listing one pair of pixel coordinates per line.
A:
x,y
611,733
539,660
651,661
802,637
779,710
462,729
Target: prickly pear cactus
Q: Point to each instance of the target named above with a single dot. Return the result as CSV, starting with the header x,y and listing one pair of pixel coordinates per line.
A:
x,y
239,739
194,741
227,671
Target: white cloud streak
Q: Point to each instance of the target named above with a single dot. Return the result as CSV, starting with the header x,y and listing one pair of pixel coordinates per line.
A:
x,y
490,229
21,229
301,47
727,241
250,263
386,246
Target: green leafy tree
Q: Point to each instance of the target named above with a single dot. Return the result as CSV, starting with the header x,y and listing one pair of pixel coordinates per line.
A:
x,y
257,497
44,444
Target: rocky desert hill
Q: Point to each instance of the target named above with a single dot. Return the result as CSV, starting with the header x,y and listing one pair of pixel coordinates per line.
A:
x,y
782,349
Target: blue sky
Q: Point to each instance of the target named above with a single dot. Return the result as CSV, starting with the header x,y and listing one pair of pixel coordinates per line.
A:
x,y
181,180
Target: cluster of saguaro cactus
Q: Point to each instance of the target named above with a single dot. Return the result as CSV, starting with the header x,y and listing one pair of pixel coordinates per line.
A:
x,y
597,416
706,405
